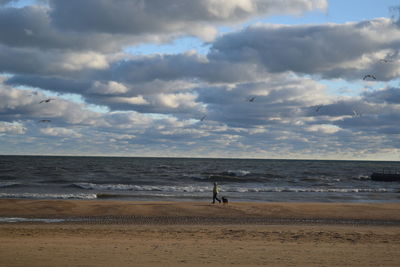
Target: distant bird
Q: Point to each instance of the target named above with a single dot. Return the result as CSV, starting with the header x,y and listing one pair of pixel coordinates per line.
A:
x,y
45,121
318,108
251,99
356,113
369,76
386,60
46,100
33,93
203,118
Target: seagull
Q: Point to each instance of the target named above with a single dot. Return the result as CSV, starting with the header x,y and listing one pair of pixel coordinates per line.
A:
x,y
356,114
369,76
44,121
251,99
33,93
46,100
318,108
386,60
203,118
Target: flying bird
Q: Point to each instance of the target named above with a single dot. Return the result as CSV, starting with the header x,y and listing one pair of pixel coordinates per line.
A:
x,y
356,113
251,99
46,100
44,121
203,118
33,93
386,60
318,108
369,76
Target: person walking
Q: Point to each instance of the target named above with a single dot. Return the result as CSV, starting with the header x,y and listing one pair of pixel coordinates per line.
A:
x,y
216,190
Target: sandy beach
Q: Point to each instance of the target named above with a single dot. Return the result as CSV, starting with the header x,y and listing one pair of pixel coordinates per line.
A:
x,y
112,233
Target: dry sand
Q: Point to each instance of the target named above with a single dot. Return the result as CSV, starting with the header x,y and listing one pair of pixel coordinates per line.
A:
x,y
197,234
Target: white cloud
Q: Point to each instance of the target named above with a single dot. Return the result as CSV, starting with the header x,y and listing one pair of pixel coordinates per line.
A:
x,y
136,100
80,61
176,100
12,128
324,128
60,132
108,88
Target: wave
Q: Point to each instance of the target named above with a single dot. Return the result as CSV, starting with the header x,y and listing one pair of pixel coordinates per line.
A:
x,y
55,181
362,177
321,190
8,177
125,187
48,196
8,184
201,189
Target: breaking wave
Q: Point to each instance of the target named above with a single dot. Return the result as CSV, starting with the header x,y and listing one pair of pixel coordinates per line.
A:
x,y
9,184
48,196
164,188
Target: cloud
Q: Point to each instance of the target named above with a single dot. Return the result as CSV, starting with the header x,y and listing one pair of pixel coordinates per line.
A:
x,y
60,132
315,49
152,104
141,17
12,128
4,2
105,25
108,88
187,66
386,95
277,100
32,61
324,128
18,104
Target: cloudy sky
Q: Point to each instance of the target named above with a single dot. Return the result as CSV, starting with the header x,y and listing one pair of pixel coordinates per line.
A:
x,y
295,79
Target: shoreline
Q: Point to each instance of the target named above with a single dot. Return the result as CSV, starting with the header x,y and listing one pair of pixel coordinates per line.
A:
x,y
133,233
25,208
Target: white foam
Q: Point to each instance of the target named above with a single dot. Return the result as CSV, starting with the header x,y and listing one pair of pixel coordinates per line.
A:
x,y
161,188
200,189
315,190
48,196
239,172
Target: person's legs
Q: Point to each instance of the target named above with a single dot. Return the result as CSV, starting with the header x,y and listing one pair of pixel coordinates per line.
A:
x,y
215,198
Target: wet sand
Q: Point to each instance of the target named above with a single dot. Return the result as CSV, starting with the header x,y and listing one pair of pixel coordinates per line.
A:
x,y
112,233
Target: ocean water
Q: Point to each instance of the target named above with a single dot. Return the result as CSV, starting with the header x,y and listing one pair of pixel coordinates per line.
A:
x,y
183,179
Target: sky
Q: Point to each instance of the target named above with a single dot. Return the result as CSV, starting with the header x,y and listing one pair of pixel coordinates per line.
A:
x,y
274,79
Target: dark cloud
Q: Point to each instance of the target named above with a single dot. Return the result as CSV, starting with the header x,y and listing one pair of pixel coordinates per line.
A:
x,y
160,16
48,63
4,2
182,66
331,50
54,84
388,95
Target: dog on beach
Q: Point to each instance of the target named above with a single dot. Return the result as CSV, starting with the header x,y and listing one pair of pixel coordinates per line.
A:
x,y
224,200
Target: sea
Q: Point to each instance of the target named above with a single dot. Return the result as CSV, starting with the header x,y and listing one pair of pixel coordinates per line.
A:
x,y
191,179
